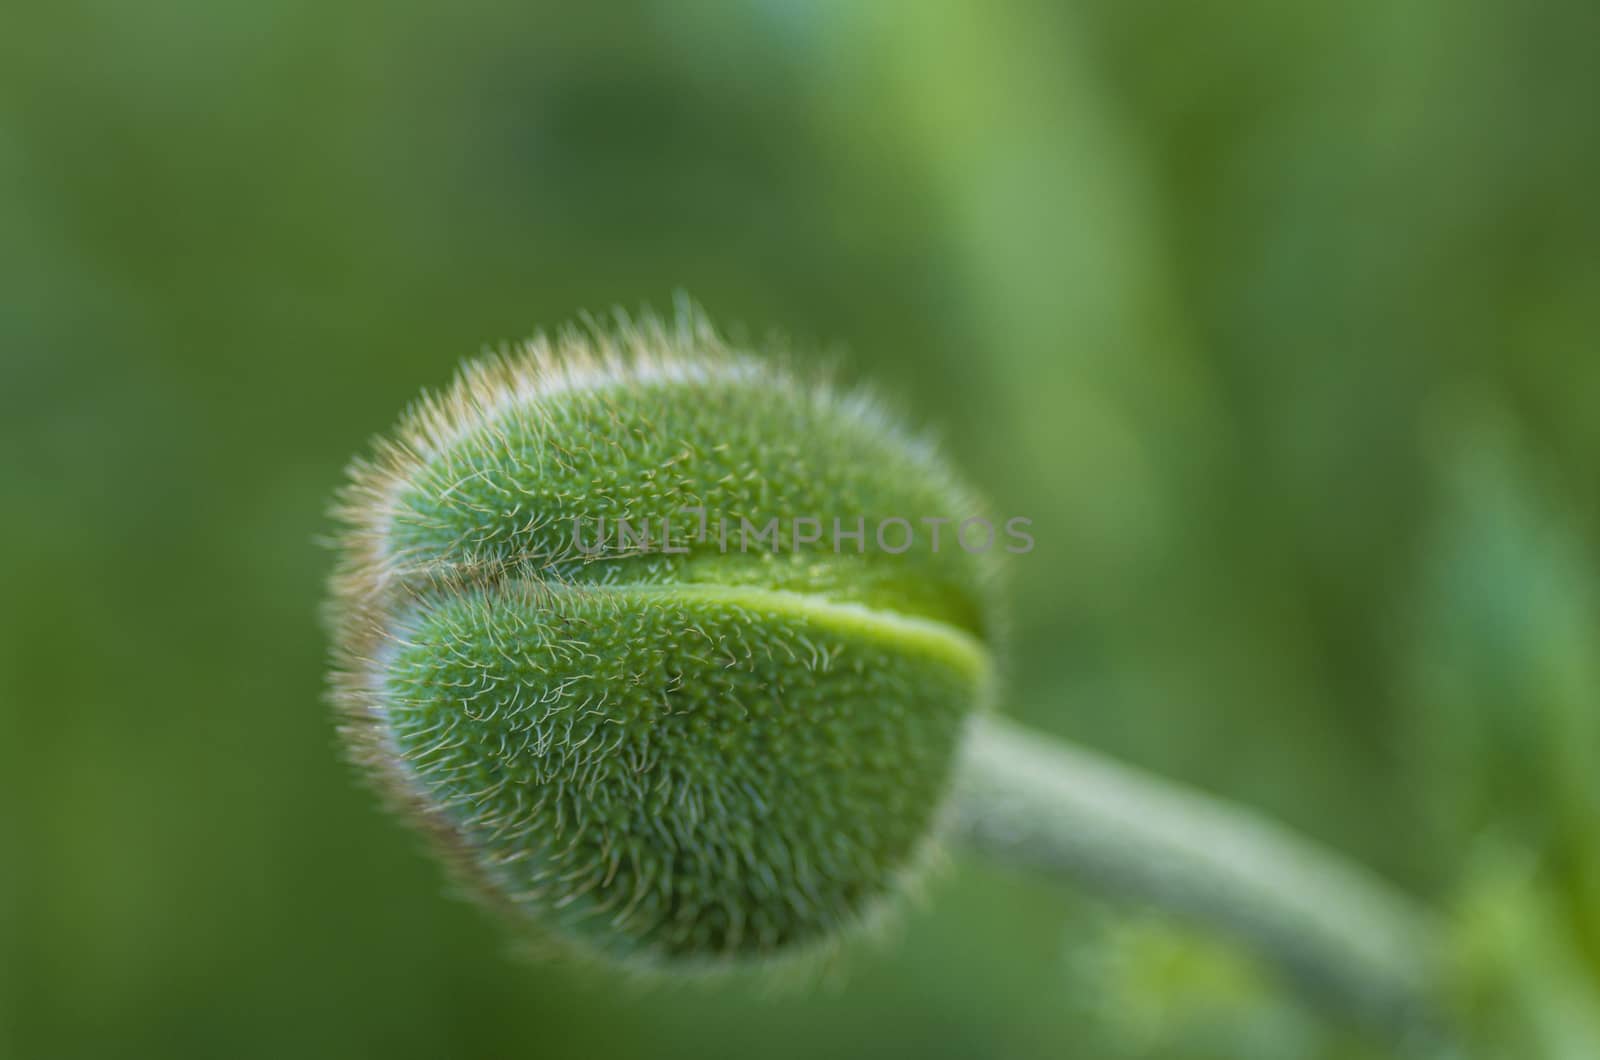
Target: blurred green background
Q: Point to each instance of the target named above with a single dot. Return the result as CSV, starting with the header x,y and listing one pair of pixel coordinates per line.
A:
x,y
1282,322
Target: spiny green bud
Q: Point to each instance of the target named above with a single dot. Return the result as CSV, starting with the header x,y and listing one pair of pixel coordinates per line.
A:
x,y
633,625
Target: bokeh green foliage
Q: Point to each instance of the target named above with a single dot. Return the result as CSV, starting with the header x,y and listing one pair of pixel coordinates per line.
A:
x,y
1280,321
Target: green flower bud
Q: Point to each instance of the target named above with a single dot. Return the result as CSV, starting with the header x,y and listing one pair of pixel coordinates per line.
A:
x,y
654,640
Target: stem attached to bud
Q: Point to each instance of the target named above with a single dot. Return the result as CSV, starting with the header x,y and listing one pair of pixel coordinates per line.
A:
x,y
1342,934
675,756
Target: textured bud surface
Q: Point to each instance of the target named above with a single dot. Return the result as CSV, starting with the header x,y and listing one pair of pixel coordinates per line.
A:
x,y
684,746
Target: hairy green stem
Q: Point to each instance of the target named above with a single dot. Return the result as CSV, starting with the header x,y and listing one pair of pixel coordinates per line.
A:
x,y
1344,936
